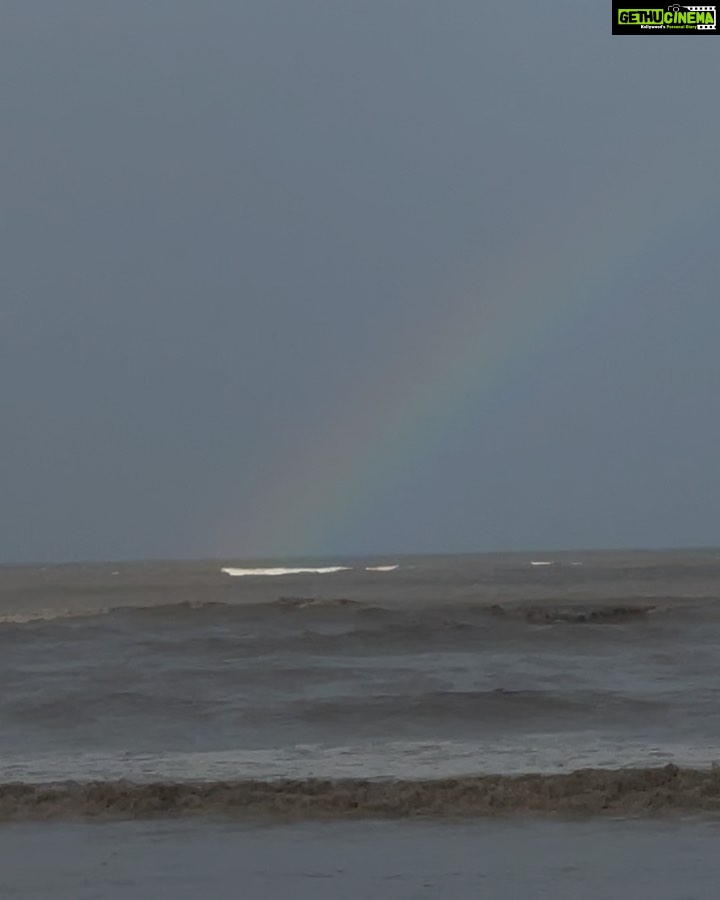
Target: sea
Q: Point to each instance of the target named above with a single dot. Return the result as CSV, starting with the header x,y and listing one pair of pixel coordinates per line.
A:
x,y
488,725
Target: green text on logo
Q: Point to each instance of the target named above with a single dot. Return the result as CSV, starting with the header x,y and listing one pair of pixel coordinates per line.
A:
x,y
688,18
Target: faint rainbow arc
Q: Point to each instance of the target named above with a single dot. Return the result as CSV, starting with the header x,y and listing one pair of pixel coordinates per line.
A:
x,y
450,361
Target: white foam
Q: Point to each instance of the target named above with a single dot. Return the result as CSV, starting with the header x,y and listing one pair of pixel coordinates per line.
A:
x,y
49,615
381,568
322,570
399,759
542,562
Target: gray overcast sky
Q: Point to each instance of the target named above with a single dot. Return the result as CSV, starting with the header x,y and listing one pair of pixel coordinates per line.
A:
x,y
230,229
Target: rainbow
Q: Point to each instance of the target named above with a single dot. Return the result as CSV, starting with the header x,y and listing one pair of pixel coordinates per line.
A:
x,y
456,359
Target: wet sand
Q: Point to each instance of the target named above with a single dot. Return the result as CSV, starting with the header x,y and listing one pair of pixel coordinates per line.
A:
x,y
181,860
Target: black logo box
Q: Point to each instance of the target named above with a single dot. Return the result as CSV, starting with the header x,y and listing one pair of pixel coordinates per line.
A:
x,y
617,28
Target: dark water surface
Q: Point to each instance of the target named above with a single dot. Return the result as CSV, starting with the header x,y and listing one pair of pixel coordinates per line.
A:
x,y
443,666
473,726
595,860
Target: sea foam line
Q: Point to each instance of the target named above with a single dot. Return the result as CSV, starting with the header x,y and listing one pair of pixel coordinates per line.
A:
x,y
321,570
404,760
303,570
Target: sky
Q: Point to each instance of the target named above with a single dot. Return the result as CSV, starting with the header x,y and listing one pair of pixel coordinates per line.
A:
x,y
316,278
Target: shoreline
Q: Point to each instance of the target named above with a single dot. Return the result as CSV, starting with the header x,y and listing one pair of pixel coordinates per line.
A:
x,y
632,793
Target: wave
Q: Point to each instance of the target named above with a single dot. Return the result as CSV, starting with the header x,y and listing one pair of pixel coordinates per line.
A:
x,y
475,709
38,616
322,570
407,712
314,602
50,615
304,570
410,760
462,615
553,562
626,792
578,614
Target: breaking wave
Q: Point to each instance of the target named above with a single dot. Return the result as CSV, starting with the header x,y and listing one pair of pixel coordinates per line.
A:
x,y
590,792
303,570
322,570
460,616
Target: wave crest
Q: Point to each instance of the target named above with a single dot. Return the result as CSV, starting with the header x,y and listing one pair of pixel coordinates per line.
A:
x,y
50,615
314,602
574,615
460,616
322,570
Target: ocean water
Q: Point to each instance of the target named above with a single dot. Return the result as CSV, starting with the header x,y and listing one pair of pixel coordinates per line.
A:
x,y
341,703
